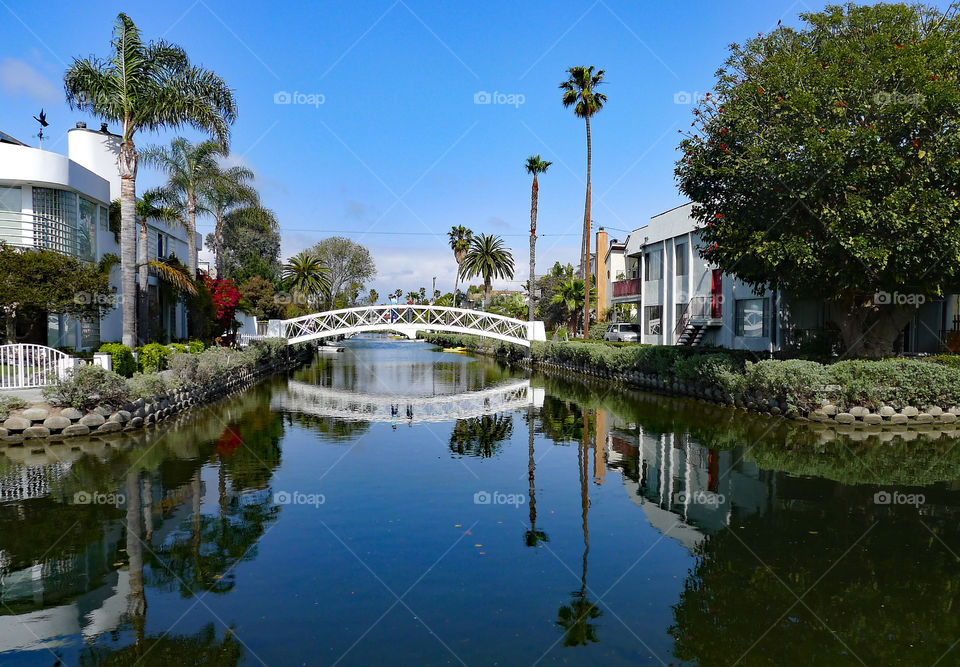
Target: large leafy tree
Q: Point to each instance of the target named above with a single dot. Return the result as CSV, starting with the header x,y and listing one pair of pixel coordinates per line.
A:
x,y
825,164
579,92
489,258
35,281
571,295
534,167
249,244
189,168
459,240
145,86
349,266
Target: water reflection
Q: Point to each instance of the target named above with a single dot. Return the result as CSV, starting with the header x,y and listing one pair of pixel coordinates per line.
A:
x,y
692,531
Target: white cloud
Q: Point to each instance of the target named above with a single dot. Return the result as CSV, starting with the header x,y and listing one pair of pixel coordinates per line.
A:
x,y
20,79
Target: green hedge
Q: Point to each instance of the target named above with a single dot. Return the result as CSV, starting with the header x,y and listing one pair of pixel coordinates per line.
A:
x,y
152,358
123,362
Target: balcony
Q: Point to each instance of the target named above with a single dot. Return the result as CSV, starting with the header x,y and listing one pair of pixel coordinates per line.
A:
x,y
626,288
31,230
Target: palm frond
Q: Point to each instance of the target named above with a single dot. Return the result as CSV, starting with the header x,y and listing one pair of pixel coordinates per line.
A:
x,y
175,275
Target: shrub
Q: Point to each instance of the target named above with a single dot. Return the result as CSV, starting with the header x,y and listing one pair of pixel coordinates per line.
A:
x,y
183,367
802,384
896,382
8,403
179,348
152,358
716,369
122,356
196,346
86,387
597,329
952,360
146,385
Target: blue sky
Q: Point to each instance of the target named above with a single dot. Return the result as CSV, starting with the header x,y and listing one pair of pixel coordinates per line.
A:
x,y
392,148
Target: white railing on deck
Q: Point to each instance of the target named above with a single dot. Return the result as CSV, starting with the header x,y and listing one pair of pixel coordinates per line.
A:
x,y
25,365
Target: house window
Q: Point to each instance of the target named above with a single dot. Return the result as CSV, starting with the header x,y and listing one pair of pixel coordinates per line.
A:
x,y
160,248
10,218
681,311
681,260
104,219
87,231
752,318
55,226
652,317
653,266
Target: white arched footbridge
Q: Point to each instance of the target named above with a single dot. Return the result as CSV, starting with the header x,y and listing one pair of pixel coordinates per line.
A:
x,y
351,406
407,320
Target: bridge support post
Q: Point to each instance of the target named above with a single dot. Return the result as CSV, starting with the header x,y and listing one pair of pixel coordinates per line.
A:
x,y
536,331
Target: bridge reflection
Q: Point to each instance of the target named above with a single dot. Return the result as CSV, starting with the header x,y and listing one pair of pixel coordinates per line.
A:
x,y
353,406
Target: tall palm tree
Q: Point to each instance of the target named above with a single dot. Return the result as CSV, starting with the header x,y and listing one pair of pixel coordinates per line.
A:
x,y
227,191
189,168
489,258
152,205
571,295
145,87
534,166
459,238
306,275
579,92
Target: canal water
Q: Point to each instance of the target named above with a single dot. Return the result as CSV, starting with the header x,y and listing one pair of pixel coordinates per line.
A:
x,y
400,504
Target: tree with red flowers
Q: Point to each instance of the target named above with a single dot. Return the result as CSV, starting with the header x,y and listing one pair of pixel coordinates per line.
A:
x,y
825,164
226,298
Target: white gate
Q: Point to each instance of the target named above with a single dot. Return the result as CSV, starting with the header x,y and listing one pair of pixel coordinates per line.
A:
x,y
26,365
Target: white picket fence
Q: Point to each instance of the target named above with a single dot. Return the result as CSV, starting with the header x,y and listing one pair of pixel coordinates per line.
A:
x,y
26,365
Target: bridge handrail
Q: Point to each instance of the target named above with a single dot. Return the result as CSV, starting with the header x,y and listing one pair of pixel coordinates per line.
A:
x,y
404,306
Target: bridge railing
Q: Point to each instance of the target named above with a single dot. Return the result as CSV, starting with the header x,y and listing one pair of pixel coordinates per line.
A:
x,y
349,320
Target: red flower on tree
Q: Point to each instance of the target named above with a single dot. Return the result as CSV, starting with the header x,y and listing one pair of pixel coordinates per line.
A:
x,y
226,298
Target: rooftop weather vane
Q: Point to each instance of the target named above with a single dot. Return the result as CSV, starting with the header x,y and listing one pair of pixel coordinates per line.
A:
x,y
42,119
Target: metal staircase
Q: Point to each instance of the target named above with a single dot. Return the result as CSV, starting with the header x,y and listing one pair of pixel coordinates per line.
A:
x,y
697,318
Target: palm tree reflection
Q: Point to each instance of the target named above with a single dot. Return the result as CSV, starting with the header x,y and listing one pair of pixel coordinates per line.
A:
x,y
480,436
532,537
574,618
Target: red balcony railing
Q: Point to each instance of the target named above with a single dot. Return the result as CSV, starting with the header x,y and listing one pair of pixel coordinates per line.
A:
x,y
628,287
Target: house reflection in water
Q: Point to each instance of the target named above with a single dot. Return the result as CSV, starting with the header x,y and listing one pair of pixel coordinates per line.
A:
x,y
686,490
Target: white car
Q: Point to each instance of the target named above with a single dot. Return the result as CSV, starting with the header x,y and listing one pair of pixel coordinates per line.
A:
x,y
623,332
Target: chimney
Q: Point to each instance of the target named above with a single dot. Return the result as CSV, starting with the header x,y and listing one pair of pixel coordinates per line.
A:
x,y
81,125
103,128
602,280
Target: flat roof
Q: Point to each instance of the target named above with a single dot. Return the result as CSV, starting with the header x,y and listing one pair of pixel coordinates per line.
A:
x,y
7,139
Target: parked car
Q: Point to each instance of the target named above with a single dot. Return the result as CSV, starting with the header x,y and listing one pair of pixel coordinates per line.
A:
x,y
623,332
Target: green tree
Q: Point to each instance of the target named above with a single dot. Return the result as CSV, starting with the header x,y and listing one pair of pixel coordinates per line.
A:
x,y
570,295
189,168
347,262
825,164
145,87
38,281
459,240
534,166
249,244
227,191
305,275
259,298
487,257
579,92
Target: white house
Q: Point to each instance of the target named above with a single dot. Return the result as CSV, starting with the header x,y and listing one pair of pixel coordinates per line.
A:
x,y
684,300
61,202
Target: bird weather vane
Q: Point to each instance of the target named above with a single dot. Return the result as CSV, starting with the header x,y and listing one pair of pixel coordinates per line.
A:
x,y
42,119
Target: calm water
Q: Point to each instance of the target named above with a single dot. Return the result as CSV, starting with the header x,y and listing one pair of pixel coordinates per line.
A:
x,y
398,504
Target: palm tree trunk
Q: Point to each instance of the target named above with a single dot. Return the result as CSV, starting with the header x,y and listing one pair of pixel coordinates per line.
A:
x,y
487,293
586,242
128,241
456,280
218,245
192,237
534,192
144,300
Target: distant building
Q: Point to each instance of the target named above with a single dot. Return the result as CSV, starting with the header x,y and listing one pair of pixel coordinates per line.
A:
x,y
682,299
61,203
